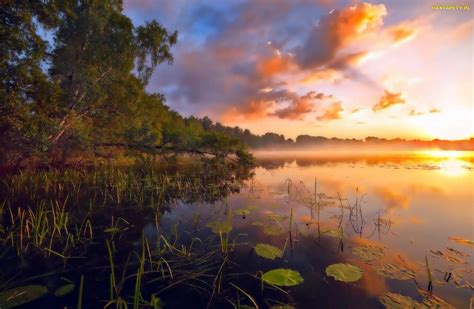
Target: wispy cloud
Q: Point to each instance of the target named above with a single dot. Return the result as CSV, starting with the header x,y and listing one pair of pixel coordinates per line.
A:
x,y
387,100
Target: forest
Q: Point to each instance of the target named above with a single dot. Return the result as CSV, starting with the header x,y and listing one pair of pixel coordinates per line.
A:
x,y
73,77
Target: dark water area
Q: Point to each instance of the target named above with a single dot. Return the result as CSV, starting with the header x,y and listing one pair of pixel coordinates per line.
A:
x,y
191,237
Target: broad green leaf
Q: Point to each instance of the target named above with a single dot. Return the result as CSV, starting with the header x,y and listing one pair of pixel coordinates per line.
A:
x,y
271,229
344,272
368,253
268,251
21,295
282,277
64,290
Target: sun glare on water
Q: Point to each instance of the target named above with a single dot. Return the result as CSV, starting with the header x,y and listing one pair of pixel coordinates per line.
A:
x,y
451,163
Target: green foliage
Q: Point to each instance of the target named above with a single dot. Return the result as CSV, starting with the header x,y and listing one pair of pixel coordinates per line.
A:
x,y
344,272
268,251
64,290
21,295
85,89
282,277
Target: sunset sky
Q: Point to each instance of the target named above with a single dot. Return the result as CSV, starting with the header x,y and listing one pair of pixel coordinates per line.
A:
x,y
320,67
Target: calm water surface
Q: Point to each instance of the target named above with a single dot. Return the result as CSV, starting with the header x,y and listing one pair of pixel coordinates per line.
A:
x,y
385,213
410,205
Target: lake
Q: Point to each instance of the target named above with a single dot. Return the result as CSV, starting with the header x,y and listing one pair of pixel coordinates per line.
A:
x,y
398,228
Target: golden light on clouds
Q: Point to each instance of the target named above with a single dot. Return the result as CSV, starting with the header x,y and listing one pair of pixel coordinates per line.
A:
x,y
392,71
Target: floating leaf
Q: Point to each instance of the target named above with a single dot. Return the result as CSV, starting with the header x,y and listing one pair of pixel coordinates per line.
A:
x,y
461,282
271,229
450,255
344,272
397,301
394,271
282,277
368,253
21,295
433,301
64,290
219,227
268,251
462,241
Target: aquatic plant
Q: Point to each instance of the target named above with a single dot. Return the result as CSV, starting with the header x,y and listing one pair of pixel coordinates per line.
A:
x,y
268,251
282,277
344,272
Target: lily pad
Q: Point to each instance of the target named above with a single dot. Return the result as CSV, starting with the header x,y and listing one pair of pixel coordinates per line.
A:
x,y
271,229
219,227
21,295
450,255
268,251
344,272
64,290
462,241
368,253
433,301
394,271
397,301
282,277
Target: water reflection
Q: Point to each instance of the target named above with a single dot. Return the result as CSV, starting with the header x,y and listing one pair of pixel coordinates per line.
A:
x,y
206,223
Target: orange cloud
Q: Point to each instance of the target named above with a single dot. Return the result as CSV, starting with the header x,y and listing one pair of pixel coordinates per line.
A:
x,y
434,110
275,65
322,75
332,112
252,110
300,106
402,33
339,29
387,100
296,110
391,199
349,60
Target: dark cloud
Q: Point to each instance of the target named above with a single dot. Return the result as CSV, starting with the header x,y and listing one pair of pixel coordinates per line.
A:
x,y
387,100
228,52
336,31
300,106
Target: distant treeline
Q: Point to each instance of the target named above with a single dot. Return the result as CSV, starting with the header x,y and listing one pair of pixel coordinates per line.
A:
x,y
278,141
